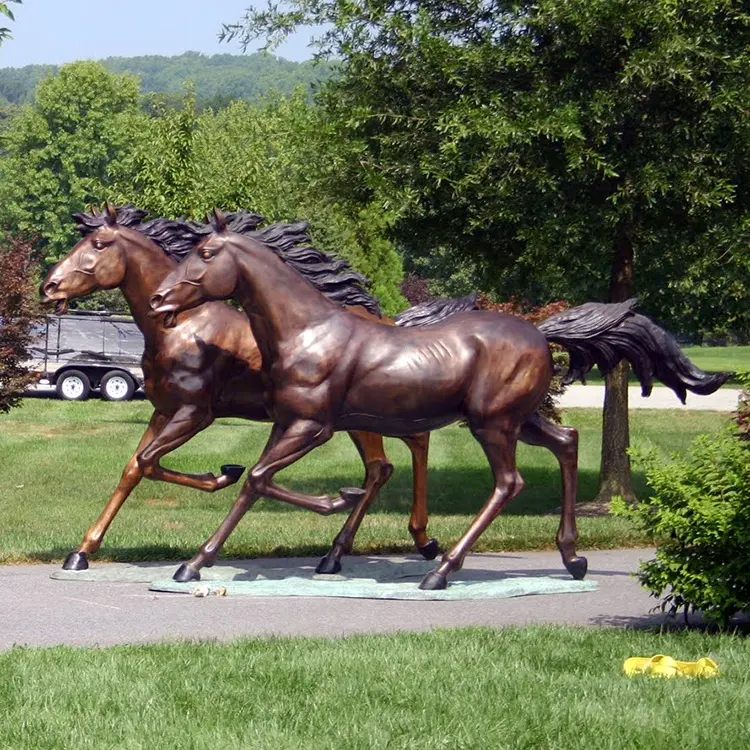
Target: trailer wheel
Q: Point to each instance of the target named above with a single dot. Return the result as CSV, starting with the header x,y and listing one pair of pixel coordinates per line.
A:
x,y
74,385
117,386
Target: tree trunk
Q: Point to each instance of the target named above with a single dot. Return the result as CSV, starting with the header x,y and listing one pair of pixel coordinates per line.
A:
x,y
614,474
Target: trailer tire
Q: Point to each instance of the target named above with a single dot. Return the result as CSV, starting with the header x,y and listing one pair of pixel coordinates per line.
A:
x,y
73,385
117,385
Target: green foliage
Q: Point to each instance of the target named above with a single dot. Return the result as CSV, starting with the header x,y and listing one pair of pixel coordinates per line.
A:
x,y
85,139
8,13
699,517
18,313
57,152
160,168
274,157
529,141
218,79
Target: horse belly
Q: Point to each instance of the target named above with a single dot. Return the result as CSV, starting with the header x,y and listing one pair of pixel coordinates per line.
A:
x,y
413,392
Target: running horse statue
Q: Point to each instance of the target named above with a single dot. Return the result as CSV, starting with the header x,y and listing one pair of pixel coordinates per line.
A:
x,y
206,364
328,370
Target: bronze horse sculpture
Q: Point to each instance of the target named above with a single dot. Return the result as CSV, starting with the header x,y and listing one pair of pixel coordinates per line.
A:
x,y
207,364
327,370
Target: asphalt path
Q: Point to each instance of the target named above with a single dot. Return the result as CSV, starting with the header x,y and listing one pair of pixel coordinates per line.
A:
x,y
578,396
38,611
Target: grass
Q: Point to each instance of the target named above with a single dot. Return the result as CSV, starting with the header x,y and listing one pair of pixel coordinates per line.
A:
x,y
537,688
61,461
708,358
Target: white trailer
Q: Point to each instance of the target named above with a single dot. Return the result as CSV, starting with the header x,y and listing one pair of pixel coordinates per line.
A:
x,y
85,351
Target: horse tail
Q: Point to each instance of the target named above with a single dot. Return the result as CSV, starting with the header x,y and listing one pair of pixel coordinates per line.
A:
x,y
604,334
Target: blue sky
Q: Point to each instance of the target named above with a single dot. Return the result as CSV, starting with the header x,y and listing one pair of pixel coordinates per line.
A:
x,y
58,31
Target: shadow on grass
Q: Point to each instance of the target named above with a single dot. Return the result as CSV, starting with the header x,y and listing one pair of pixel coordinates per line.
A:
x,y
118,554
451,491
659,622
458,490
180,553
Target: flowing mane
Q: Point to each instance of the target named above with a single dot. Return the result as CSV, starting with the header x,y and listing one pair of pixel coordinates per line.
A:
x,y
332,276
127,216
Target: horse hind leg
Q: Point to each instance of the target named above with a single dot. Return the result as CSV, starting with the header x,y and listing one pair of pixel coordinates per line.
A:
x,y
378,471
563,442
499,445
419,445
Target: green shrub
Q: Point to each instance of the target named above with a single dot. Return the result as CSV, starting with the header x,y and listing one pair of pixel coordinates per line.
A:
x,y
699,519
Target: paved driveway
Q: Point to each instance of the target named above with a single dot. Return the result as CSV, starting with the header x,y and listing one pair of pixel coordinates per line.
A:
x,y
577,396
38,611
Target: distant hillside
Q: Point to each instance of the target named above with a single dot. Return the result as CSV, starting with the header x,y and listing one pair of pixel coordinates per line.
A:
x,y
217,78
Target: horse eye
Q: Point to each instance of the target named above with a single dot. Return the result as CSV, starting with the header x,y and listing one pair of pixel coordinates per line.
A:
x,y
98,244
206,254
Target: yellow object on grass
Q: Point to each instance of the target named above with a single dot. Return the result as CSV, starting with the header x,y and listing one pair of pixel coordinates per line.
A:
x,y
665,666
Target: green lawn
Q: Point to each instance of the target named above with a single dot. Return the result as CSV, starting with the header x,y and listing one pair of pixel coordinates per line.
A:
x,y
61,461
537,688
720,358
708,358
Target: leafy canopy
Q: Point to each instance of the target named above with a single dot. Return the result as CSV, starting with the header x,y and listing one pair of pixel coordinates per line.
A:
x,y
57,152
275,157
8,13
528,141
86,139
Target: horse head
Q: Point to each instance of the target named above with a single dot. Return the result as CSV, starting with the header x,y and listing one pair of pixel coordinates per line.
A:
x,y
98,261
208,272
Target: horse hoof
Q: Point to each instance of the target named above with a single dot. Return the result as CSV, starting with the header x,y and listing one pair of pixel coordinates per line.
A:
x,y
328,565
352,495
431,550
434,581
185,573
577,567
233,471
76,561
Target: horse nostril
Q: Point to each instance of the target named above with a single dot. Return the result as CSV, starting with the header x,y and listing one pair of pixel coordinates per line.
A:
x,y
49,288
156,300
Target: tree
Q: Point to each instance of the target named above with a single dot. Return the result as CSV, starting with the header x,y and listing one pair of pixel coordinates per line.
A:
x,y
587,149
272,157
85,139
8,13
18,312
58,152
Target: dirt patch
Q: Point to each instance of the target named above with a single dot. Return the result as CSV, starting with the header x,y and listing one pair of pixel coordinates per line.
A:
x,y
162,502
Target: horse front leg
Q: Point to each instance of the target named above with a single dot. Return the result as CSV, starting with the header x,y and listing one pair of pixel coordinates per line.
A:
x,y
285,446
419,446
377,472
131,476
184,424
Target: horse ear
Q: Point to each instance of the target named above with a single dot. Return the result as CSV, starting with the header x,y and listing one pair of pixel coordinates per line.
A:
x,y
110,214
219,221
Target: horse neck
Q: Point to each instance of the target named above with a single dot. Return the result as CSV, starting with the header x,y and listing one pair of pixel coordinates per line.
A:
x,y
278,300
147,266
